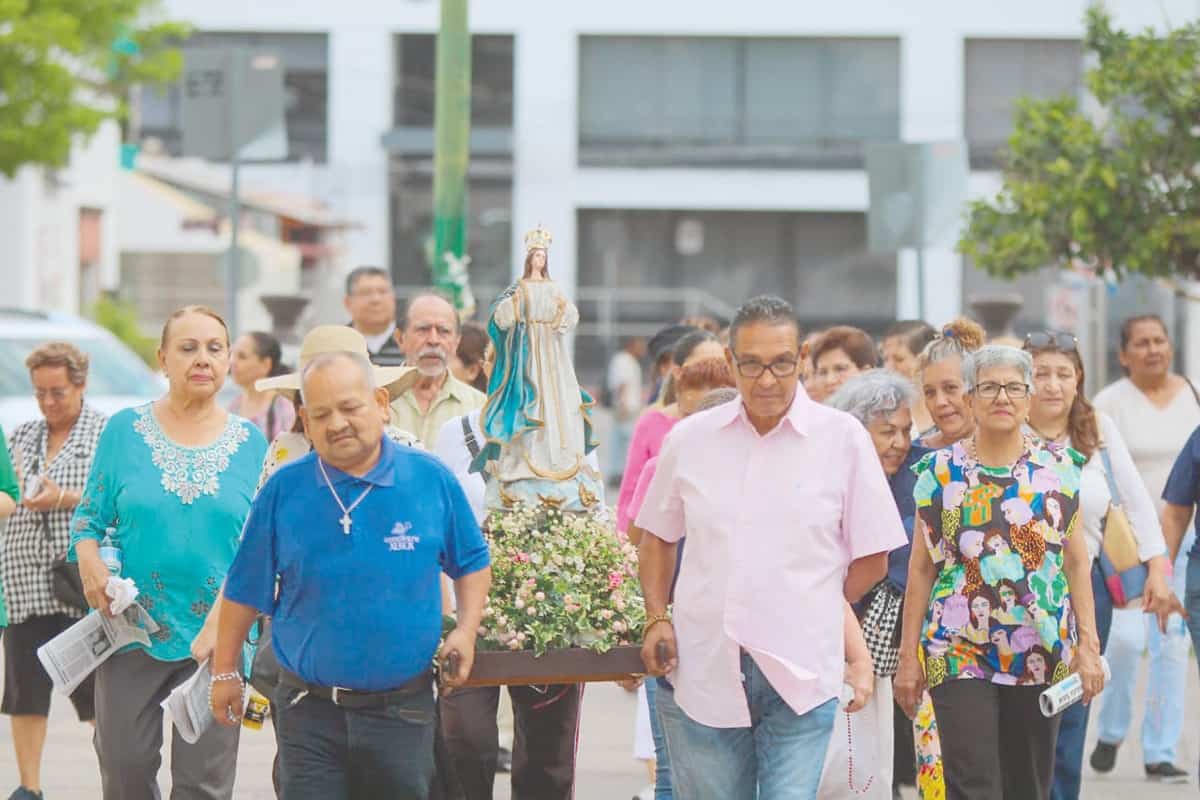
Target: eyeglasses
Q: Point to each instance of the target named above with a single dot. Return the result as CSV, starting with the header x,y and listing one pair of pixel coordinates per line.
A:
x,y
991,391
1060,341
754,369
56,394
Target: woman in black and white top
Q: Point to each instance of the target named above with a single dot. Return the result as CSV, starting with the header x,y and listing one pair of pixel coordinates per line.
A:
x,y
53,455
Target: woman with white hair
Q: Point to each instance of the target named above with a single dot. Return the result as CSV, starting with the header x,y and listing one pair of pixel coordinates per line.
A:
x,y
998,482
882,401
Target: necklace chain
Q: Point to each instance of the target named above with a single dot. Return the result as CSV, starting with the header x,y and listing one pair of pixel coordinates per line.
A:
x,y
345,520
971,448
1057,438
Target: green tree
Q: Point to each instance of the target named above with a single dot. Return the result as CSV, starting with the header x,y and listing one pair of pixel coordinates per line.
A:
x,y
1114,190
66,66
120,318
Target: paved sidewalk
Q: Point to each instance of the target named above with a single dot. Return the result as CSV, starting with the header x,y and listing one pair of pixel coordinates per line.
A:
x,y
607,770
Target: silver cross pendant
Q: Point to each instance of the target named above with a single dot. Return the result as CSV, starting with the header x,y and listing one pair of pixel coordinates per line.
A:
x,y
345,520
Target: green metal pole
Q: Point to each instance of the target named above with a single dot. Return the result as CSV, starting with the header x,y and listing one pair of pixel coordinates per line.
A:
x,y
451,151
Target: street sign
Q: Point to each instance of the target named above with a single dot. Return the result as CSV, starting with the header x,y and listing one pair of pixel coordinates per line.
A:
x,y
232,94
917,193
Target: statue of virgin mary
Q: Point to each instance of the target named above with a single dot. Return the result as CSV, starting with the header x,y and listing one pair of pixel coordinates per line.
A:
x,y
537,421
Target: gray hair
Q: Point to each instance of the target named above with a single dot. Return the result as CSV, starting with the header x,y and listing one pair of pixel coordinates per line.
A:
x,y
875,393
717,397
993,356
764,308
324,360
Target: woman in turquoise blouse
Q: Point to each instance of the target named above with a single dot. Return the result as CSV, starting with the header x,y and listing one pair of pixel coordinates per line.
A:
x,y
174,478
10,495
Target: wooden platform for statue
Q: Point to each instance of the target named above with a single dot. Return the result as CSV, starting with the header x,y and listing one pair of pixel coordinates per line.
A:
x,y
567,665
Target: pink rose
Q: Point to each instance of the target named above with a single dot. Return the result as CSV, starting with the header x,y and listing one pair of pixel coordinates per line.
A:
x,y
614,580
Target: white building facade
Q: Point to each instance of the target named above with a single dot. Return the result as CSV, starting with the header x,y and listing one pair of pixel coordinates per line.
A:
x,y
712,150
58,228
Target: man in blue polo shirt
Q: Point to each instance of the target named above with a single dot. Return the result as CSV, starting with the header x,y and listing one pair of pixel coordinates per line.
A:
x,y
357,534
1181,494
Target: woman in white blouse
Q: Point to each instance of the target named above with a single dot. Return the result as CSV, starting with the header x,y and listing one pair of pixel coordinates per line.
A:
x,y
1061,413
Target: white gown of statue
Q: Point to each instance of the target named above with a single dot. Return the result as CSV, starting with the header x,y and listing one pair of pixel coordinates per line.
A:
x,y
554,451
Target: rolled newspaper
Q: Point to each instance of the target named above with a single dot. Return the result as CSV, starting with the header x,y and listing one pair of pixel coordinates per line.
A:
x,y
1067,692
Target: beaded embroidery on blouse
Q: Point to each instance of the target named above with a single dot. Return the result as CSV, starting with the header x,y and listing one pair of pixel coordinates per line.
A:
x,y
188,472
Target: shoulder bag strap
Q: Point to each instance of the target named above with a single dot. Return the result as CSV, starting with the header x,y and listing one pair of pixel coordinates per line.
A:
x,y
1108,475
469,437
1192,386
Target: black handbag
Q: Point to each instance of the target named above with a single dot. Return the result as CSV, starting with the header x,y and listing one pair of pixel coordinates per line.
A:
x,y
65,582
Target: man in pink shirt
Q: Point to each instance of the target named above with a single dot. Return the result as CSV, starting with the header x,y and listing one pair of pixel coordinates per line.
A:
x,y
786,511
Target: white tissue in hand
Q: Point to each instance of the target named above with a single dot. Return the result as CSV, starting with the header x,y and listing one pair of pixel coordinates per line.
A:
x,y
123,592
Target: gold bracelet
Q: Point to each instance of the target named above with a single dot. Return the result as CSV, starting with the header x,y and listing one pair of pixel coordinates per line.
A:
x,y
654,619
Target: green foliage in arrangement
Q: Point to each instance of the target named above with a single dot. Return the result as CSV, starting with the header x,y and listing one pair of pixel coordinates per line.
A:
x,y
559,580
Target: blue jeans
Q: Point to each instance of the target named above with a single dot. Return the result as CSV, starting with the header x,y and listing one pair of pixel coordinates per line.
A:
x,y
1166,687
779,757
327,752
1191,600
662,761
620,436
1072,731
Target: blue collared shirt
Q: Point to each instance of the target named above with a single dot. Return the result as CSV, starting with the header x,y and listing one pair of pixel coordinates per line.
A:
x,y
1183,485
902,484
359,611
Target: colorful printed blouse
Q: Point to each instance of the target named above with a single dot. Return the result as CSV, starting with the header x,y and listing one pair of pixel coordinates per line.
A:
x,y
178,513
1000,610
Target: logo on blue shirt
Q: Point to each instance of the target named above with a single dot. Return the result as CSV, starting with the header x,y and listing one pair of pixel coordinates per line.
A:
x,y
400,540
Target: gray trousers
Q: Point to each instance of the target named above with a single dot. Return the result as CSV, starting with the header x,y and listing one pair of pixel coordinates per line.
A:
x,y
129,726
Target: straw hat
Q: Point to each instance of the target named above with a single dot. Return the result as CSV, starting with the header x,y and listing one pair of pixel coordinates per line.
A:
x,y
325,339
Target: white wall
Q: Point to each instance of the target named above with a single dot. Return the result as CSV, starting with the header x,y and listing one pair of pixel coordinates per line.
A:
x,y
549,186
39,225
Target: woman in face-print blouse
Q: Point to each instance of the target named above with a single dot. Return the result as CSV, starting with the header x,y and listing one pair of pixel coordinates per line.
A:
x,y
986,498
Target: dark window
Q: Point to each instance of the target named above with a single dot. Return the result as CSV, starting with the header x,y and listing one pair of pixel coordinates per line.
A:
x,y
677,101
305,80
491,80
489,226
998,72
658,266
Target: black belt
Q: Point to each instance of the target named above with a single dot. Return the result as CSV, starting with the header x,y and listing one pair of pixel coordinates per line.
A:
x,y
357,698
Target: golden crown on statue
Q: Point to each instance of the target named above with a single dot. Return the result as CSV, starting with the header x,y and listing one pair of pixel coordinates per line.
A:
x,y
538,239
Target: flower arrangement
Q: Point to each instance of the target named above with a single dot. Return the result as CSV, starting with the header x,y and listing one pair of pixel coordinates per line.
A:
x,y
559,580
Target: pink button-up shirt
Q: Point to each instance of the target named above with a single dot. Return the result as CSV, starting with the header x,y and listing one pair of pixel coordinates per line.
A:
x,y
772,524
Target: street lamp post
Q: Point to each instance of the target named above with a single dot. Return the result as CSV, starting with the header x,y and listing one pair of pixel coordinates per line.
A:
x,y
452,128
